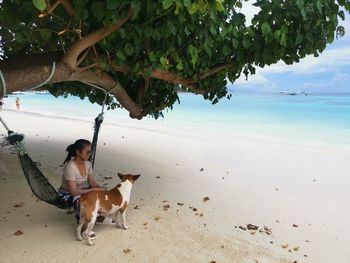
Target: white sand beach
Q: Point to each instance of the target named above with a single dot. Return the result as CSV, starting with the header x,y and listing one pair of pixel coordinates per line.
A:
x,y
297,191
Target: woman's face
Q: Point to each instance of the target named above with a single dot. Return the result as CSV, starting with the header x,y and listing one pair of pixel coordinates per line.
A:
x,y
84,154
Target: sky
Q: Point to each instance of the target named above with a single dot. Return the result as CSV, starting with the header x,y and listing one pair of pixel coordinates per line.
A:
x,y
328,73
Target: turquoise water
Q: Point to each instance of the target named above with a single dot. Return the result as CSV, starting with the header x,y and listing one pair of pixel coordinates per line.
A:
x,y
314,119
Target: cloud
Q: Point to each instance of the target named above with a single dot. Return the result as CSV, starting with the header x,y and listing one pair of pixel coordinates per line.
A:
x,y
255,82
341,77
330,60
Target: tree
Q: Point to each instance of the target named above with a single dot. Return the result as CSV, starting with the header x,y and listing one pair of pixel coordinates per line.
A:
x,y
144,51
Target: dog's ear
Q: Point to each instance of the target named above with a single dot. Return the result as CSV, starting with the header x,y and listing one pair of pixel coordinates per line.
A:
x,y
135,177
120,176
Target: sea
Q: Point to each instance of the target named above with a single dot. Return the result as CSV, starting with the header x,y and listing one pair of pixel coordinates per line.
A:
x,y
309,120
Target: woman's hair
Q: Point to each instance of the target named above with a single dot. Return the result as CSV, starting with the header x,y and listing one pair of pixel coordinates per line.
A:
x,y
72,149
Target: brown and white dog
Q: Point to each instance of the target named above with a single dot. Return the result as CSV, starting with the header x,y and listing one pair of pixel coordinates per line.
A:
x,y
106,203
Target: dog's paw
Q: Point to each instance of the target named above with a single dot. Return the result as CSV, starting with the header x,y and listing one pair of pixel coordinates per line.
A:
x,y
91,243
84,235
125,227
79,238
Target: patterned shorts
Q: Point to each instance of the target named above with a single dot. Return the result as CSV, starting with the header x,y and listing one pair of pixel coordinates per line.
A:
x,y
72,202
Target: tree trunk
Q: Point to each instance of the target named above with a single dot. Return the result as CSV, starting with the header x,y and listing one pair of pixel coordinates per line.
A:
x,y
27,72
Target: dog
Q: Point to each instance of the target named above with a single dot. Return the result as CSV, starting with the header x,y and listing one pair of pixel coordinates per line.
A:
x,y
105,203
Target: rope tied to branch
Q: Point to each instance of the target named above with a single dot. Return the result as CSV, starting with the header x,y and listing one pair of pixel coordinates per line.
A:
x,y
3,82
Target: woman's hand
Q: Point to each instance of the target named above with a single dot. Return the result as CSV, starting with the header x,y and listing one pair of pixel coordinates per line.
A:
x,y
99,188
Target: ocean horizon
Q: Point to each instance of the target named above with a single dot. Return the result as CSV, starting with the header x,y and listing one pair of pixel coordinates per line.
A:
x,y
312,120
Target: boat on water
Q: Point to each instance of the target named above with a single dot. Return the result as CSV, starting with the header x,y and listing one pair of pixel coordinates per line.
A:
x,y
296,93
16,93
41,92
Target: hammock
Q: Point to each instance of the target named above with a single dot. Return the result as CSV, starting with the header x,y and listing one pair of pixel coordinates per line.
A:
x,y
38,183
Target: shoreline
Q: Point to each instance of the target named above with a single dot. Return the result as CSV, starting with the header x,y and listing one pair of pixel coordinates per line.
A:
x,y
316,144
257,182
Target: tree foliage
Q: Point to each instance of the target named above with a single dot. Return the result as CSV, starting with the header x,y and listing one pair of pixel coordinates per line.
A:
x,y
199,45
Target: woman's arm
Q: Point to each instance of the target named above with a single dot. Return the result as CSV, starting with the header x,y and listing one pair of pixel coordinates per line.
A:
x,y
92,182
73,190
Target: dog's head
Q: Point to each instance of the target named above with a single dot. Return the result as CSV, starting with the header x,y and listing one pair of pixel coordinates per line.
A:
x,y
130,177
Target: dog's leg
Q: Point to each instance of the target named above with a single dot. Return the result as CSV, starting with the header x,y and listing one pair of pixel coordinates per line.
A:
x,y
123,213
79,228
90,226
123,220
115,218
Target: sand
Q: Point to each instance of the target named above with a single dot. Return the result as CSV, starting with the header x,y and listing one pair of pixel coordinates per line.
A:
x,y
298,192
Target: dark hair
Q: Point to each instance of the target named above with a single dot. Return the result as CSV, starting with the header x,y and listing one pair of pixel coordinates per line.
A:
x,y
72,149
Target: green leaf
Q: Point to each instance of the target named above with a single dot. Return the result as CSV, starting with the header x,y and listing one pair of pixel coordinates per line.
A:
x,y
246,43
219,6
136,6
99,10
207,47
283,40
148,32
319,6
340,31
299,39
167,3
194,54
81,12
172,28
164,61
156,35
277,35
45,34
121,56
179,65
235,32
122,33
129,49
39,4
226,50
239,4
212,29
235,43
192,9
265,28
201,6
300,3
330,37
303,13
112,4
152,56
187,3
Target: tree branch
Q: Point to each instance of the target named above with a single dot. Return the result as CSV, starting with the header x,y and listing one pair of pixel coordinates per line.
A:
x,y
68,6
172,77
92,38
83,56
215,70
25,73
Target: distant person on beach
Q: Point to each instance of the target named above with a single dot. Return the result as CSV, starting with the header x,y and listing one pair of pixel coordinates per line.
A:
x,y
17,103
77,177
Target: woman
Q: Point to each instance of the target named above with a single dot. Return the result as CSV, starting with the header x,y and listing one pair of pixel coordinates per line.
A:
x,y
77,175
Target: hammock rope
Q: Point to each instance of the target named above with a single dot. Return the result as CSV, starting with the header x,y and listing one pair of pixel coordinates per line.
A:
x,y
98,121
3,85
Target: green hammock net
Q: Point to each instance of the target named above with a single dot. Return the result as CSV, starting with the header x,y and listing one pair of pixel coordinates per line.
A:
x,y
37,181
